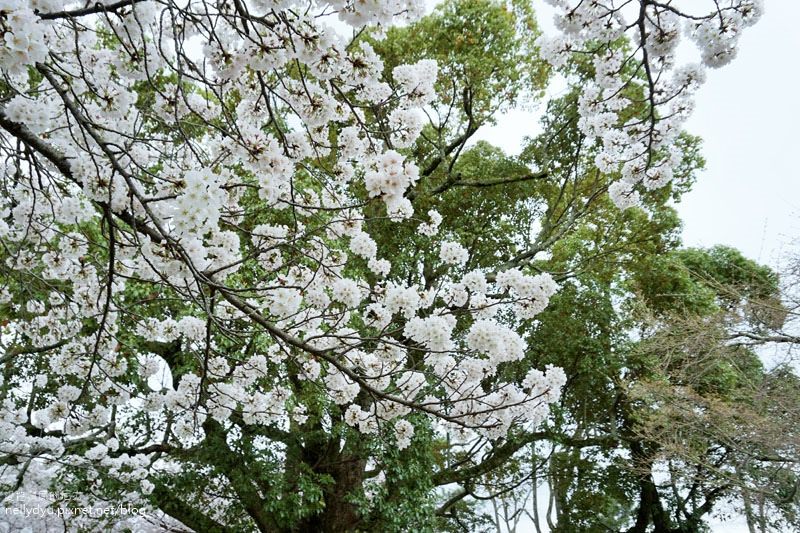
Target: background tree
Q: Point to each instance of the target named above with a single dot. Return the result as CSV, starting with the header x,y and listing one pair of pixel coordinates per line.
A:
x,y
681,416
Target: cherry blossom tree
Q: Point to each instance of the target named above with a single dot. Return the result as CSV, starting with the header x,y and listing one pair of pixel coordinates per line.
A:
x,y
189,276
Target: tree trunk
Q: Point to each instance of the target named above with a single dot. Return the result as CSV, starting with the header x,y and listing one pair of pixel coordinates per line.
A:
x,y
347,472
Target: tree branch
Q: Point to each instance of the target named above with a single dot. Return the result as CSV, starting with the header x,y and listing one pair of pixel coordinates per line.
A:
x,y
97,7
456,182
61,162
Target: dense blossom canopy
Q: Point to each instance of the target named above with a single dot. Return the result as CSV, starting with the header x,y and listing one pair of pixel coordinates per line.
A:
x,y
186,187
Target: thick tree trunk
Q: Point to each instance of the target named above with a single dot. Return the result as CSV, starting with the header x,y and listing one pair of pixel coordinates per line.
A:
x,y
650,511
347,472
340,514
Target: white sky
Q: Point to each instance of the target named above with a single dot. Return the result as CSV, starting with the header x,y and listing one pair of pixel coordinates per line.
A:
x,y
748,114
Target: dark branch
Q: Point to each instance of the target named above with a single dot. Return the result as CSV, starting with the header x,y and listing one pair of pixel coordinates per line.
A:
x,y
97,7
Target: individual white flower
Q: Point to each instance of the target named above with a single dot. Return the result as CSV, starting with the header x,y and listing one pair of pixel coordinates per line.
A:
x,y
403,300
346,291
362,245
192,328
352,415
431,228
377,316
99,451
147,487
435,331
379,267
403,431
453,253
623,195
284,302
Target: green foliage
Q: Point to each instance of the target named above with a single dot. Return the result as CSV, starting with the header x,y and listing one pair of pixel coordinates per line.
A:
x,y
702,281
485,47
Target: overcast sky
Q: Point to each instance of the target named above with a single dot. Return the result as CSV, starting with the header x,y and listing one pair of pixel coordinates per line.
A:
x,y
748,114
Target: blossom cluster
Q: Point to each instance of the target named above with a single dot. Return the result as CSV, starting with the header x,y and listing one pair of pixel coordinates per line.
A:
x,y
639,151
23,34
